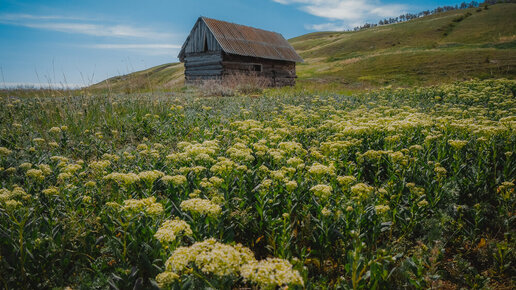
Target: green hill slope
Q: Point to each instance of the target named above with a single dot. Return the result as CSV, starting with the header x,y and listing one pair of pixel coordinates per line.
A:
x,y
444,47
165,76
449,46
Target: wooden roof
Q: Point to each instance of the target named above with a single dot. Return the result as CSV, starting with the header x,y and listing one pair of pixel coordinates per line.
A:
x,y
248,41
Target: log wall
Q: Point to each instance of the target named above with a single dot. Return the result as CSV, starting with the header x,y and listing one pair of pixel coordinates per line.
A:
x,y
217,65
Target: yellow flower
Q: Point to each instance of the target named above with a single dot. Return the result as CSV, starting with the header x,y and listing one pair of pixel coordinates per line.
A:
x,y
45,169
146,205
90,184
380,209
35,174
175,180
171,229
201,206
318,169
346,180
457,144
55,130
322,191
123,178
4,151
272,272
362,190
166,278
291,185
210,257
25,166
12,204
99,166
440,171
150,176
51,191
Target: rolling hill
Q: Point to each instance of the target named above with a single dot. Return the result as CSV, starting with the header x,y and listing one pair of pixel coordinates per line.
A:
x,y
444,47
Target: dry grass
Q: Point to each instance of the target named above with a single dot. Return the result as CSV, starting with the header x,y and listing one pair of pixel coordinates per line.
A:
x,y
233,84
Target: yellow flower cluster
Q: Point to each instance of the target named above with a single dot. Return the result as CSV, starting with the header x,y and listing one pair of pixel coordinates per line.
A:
x,y
195,151
123,178
506,189
346,180
272,272
25,166
51,191
223,166
171,229
291,185
35,174
5,151
54,130
166,278
10,198
150,176
201,206
380,209
175,179
99,166
146,205
318,169
45,168
240,152
16,193
362,190
71,168
211,257
457,144
214,258
322,191
292,147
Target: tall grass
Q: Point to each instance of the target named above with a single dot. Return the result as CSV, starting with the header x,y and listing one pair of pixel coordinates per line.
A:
x,y
392,188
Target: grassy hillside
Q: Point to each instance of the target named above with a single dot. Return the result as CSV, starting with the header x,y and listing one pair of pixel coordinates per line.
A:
x,y
448,46
165,76
445,47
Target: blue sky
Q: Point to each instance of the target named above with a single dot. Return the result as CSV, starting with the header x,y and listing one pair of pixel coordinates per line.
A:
x,y
84,42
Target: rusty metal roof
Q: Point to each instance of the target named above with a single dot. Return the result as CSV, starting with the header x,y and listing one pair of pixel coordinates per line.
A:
x,y
249,41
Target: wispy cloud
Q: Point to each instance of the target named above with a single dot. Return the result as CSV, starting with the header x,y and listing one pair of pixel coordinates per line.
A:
x,y
327,26
80,26
141,48
345,13
137,46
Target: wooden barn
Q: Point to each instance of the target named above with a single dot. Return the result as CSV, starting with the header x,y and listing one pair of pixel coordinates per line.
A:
x,y
217,49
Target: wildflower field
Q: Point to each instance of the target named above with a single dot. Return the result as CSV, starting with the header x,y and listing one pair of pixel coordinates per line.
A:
x,y
392,188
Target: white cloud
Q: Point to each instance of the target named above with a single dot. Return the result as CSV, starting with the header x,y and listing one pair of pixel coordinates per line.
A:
x,y
20,16
346,13
327,27
48,22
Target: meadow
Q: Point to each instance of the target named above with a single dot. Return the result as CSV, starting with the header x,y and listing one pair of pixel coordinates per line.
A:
x,y
389,188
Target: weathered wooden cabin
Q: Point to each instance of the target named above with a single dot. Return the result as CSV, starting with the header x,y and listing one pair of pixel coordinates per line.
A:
x,y
217,49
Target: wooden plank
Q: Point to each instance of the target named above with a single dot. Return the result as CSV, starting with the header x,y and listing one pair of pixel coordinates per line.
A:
x,y
199,78
200,63
203,56
205,67
203,72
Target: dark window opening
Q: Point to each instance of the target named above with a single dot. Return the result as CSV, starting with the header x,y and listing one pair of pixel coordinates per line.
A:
x,y
257,67
205,47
